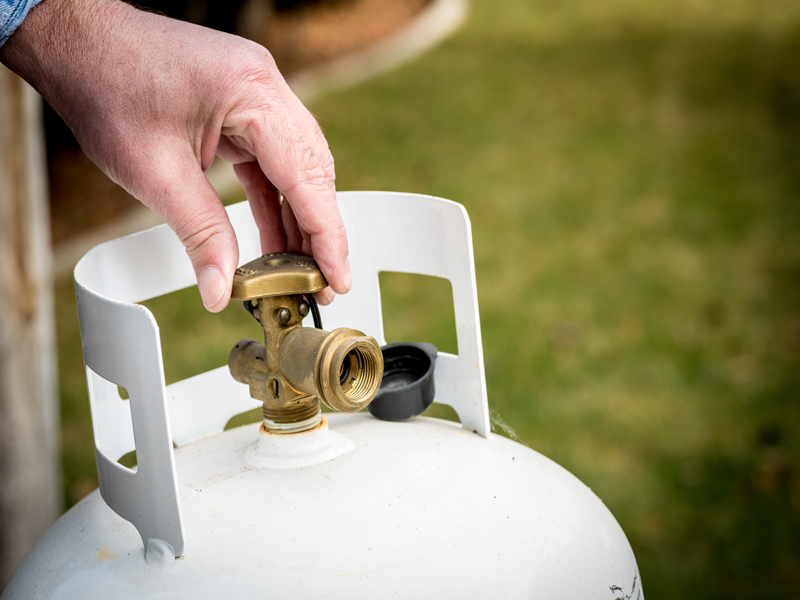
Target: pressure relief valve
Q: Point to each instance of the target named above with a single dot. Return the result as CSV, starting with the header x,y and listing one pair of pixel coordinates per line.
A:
x,y
298,366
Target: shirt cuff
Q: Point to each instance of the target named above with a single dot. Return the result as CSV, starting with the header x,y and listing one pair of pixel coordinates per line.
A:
x,y
12,14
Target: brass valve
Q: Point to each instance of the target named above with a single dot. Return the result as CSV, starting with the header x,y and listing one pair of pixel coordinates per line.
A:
x,y
297,366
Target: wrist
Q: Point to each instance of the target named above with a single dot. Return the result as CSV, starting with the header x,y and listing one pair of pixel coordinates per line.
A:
x,y
59,45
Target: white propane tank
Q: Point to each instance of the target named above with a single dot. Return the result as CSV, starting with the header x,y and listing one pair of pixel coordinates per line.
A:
x,y
354,508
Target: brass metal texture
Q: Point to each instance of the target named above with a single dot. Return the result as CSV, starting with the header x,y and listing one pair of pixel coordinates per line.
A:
x,y
297,366
343,367
305,416
242,356
280,274
323,422
302,412
304,309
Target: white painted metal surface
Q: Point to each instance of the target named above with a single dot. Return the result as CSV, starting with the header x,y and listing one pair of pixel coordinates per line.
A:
x,y
121,344
360,509
423,509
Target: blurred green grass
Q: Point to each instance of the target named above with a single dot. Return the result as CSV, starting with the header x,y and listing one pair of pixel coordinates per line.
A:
x,y
632,172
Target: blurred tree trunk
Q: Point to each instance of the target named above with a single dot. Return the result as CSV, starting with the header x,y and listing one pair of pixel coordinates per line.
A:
x,y
30,490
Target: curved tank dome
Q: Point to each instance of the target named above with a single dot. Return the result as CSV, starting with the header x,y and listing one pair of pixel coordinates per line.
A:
x,y
344,506
422,509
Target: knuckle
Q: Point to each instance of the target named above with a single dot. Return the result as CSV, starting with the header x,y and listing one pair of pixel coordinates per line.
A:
x,y
257,53
256,74
254,90
311,171
258,69
196,233
328,167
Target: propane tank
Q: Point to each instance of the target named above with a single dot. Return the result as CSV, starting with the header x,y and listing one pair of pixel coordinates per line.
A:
x,y
305,505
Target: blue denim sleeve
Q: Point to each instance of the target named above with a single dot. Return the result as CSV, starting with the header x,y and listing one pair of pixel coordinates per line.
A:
x,y
12,13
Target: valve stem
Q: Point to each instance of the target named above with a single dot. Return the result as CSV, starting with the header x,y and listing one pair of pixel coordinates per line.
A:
x,y
292,420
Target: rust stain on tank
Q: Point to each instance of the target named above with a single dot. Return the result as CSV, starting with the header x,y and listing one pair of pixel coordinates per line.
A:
x,y
106,555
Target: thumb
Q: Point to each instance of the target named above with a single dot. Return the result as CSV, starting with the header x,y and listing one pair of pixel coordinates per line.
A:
x,y
195,213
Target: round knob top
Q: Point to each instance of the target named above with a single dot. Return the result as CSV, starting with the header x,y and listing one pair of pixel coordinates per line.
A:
x,y
279,274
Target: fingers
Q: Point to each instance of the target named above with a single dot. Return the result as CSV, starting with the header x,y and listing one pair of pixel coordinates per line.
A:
x,y
192,209
293,158
324,297
275,220
265,204
294,237
298,241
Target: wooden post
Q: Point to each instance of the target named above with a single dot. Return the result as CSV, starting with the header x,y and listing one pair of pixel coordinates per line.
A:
x,y
30,486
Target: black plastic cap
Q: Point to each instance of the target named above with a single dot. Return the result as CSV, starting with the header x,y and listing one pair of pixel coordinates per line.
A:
x,y
407,388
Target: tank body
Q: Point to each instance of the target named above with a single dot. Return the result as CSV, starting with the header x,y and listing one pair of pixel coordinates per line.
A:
x,y
422,509
356,508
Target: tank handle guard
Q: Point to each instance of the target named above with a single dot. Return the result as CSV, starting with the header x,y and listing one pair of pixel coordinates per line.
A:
x,y
387,232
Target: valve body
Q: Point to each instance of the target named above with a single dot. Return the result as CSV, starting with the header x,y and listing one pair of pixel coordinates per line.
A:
x,y
298,366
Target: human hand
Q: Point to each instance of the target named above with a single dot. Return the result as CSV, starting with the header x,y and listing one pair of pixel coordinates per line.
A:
x,y
152,100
